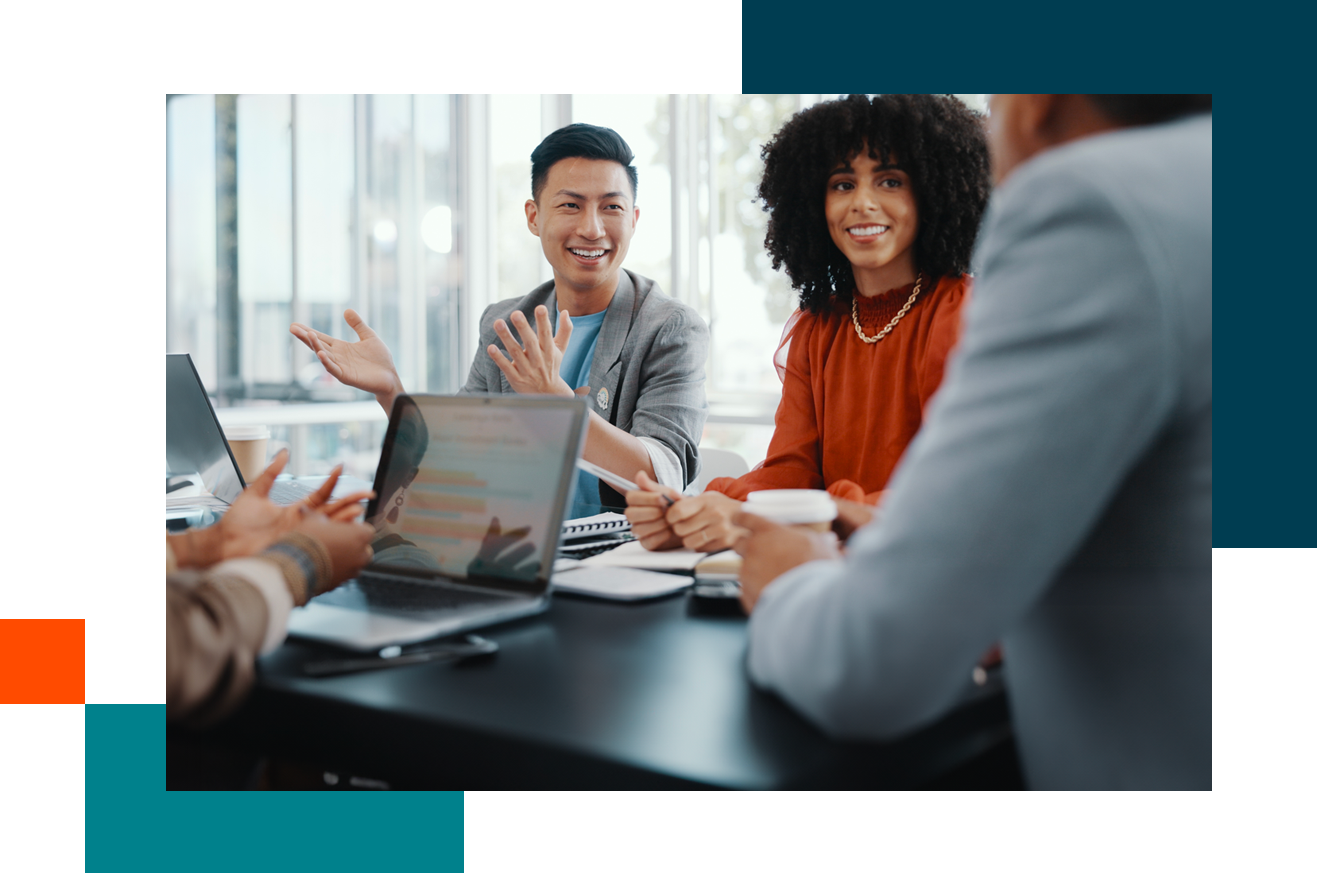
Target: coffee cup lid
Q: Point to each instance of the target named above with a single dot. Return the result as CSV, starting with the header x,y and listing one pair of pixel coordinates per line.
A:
x,y
792,505
246,432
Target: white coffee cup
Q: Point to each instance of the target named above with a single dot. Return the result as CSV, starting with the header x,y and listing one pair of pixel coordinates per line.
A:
x,y
249,443
798,507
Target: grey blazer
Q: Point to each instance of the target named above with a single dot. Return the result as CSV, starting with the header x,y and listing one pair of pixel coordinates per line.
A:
x,y
647,377
1058,497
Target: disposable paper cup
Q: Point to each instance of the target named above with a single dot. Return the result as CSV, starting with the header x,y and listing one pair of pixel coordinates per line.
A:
x,y
248,442
798,507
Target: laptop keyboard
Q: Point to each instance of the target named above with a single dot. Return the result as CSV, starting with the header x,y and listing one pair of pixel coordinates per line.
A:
x,y
413,599
284,492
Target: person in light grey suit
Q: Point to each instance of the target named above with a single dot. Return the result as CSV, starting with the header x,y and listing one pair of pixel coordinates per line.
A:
x,y
646,376
634,353
1059,495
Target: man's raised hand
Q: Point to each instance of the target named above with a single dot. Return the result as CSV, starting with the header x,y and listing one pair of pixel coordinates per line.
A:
x,y
532,364
365,364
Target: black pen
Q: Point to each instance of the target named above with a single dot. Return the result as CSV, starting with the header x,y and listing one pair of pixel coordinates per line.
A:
x,y
612,478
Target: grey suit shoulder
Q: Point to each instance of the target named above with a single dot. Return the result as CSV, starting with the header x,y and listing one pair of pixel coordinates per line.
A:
x,y
647,377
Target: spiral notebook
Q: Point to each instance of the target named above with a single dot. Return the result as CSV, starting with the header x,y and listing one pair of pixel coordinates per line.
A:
x,y
595,525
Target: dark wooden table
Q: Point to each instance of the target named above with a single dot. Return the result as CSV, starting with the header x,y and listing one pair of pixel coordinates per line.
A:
x,y
591,695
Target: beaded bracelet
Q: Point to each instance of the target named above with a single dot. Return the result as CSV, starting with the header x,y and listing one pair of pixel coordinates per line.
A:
x,y
307,556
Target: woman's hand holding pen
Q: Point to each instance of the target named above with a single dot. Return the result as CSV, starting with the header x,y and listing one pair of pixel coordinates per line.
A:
x,y
704,522
701,523
645,510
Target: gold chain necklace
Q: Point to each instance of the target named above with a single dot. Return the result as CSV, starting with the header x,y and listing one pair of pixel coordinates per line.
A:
x,y
891,324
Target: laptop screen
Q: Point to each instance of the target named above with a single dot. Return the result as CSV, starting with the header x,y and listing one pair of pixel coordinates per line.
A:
x,y
194,442
475,487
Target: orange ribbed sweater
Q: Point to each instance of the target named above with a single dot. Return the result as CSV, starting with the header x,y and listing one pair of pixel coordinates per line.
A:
x,y
850,408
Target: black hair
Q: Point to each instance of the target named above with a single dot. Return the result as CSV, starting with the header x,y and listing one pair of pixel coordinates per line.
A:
x,y
579,141
938,141
1132,109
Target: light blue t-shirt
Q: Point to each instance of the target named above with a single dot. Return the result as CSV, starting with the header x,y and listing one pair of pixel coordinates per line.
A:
x,y
575,371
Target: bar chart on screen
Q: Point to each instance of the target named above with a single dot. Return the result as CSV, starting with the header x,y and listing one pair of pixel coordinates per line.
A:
x,y
42,660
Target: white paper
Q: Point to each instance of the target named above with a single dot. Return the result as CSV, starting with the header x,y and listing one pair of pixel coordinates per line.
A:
x,y
619,583
633,554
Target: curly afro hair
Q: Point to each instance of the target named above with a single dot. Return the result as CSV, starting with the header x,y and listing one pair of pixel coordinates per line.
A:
x,y
939,142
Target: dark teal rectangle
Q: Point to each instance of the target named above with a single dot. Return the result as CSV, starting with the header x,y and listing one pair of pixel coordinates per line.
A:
x,y
133,823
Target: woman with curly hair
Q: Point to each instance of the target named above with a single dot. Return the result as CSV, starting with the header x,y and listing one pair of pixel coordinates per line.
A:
x,y
874,205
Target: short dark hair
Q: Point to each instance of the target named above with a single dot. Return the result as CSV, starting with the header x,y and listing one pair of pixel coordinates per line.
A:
x,y
938,141
579,141
1132,109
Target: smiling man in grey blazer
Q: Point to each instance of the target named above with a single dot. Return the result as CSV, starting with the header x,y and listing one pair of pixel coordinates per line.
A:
x,y
634,353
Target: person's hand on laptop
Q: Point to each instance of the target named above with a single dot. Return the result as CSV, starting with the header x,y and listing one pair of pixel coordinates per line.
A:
x,y
365,364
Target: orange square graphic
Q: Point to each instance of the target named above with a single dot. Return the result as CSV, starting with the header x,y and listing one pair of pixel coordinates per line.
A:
x,y
42,660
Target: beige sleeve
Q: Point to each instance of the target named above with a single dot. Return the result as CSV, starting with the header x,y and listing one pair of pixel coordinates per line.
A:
x,y
215,626
218,621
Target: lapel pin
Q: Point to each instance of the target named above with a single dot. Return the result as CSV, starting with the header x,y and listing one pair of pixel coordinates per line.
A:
x,y
603,398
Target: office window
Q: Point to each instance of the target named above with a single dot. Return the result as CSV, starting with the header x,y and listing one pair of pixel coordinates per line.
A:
x,y
190,231
284,208
515,130
324,176
265,239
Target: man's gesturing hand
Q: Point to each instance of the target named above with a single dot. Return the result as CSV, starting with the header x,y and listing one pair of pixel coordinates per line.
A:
x,y
532,365
365,364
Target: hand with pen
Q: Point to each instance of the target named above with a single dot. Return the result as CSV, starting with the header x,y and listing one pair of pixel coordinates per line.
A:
x,y
662,519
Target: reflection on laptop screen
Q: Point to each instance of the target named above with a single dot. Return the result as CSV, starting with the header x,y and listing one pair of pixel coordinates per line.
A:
x,y
472,487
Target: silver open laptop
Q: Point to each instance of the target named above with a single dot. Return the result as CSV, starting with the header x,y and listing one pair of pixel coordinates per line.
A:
x,y
470,495
200,472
